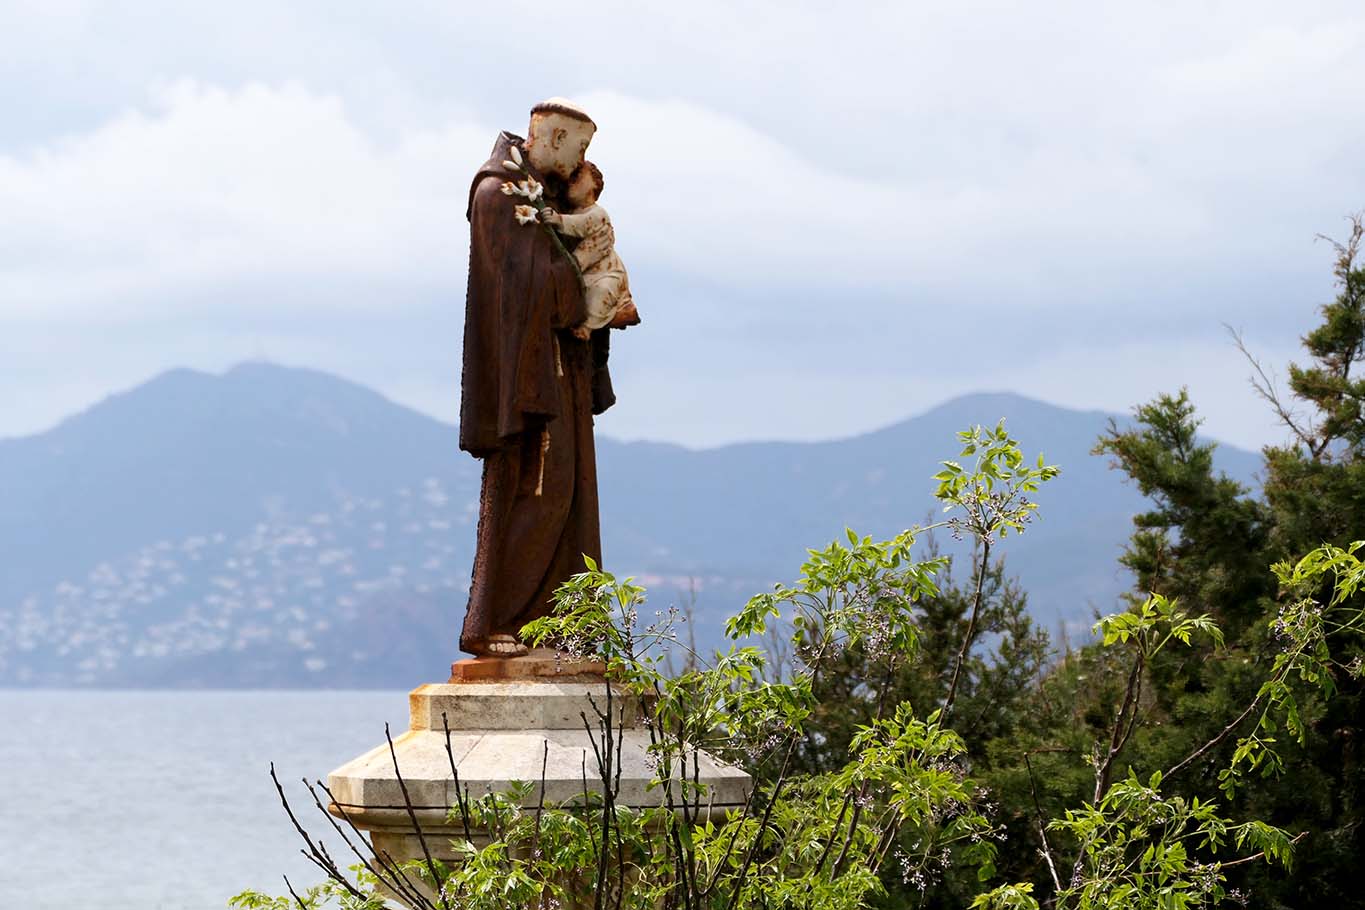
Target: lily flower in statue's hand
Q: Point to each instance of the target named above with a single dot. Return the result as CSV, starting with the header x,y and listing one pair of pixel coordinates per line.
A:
x,y
527,189
526,214
516,154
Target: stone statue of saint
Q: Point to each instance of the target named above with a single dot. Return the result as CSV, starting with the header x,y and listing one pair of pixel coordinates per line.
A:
x,y
532,381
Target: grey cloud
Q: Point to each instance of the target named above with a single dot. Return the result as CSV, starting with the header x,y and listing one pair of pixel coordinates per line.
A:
x,y
1081,194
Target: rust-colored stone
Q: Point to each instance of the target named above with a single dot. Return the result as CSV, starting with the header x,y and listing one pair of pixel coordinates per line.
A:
x,y
540,663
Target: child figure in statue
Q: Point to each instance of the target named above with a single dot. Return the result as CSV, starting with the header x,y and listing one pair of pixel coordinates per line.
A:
x,y
606,287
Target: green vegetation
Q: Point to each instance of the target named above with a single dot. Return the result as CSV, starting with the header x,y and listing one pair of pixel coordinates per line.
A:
x,y
920,744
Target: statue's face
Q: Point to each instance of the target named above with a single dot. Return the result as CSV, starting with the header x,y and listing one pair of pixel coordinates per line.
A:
x,y
556,143
582,192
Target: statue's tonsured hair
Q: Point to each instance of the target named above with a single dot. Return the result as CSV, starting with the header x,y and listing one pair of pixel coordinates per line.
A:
x,y
591,169
559,106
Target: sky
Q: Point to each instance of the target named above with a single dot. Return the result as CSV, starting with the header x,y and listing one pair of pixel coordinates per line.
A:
x,y
834,217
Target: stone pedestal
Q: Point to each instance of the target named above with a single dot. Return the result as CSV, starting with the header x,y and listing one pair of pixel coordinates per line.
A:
x,y
500,732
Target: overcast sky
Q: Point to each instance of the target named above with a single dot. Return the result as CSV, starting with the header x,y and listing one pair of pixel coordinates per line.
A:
x,y
833,219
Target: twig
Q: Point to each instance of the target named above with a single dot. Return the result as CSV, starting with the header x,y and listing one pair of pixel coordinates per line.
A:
x,y
314,855
885,841
1224,734
327,870
298,900
763,824
604,770
971,629
1042,826
540,803
404,887
620,748
1260,854
863,787
838,823
684,870
1265,388
696,782
616,820
730,847
1104,768
1122,723
460,798
416,828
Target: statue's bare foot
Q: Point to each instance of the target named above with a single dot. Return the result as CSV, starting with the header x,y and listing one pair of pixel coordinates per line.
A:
x,y
503,646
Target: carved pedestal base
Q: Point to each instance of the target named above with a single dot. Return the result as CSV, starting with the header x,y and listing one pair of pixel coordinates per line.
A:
x,y
500,732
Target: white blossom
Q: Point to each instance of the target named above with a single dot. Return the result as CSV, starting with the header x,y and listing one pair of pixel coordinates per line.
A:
x,y
526,214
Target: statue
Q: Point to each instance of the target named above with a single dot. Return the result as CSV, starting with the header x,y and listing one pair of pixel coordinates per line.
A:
x,y
606,285
535,369
545,289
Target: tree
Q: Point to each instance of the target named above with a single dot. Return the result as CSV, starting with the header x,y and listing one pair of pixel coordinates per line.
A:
x,y
1203,543
1007,653
903,798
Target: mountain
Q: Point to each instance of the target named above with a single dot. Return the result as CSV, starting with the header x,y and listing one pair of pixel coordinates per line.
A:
x,y
283,527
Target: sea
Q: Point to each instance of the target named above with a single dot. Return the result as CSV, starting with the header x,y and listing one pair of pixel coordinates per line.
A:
x,y
163,800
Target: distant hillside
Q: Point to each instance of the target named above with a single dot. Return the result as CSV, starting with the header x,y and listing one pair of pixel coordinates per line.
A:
x,y
283,527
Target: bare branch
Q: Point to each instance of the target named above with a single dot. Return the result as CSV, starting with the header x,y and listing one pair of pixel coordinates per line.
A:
x,y
763,824
1260,855
1224,734
730,847
1042,825
416,828
461,797
397,878
540,803
1265,387
1121,723
292,893
316,856
970,635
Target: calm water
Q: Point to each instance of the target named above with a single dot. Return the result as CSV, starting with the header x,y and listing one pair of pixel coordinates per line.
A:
x,y
163,800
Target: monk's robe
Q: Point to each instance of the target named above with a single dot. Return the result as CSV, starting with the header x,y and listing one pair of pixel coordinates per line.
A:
x,y
529,391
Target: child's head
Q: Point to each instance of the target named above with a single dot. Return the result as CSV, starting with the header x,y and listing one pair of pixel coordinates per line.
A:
x,y
585,185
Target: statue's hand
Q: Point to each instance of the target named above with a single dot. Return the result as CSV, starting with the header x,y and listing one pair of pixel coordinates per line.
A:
x,y
581,332
550,216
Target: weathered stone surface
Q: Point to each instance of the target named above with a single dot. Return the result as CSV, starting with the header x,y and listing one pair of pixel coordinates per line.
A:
x,y
544,705
501,733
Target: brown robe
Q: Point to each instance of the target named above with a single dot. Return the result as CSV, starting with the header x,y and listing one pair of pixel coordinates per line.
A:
x,y
529,391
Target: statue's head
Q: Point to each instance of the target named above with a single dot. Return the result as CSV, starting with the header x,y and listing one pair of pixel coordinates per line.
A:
x,y
558,136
